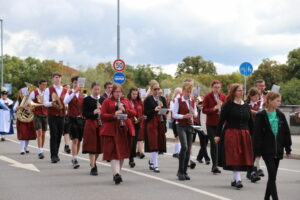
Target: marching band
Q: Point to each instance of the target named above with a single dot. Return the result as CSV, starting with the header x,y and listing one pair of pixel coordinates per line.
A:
x,y
118,126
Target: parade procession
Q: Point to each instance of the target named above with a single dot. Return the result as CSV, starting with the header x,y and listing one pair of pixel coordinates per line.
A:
x,y
149,100
118,128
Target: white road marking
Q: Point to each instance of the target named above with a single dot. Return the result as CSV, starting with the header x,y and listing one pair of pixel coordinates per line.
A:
x,y
146,175
17,164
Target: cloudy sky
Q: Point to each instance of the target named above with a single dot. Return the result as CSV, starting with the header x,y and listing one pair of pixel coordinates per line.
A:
x,y
156,32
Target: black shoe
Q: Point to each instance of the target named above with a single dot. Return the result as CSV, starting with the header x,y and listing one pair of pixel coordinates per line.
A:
x,y
187,177
233,183
22,153
27,151
3,139
142,156
151,167
57,158
192,164
94,171
254,178
181,176
41,156
207,162
67,149
131,164
260,173
215,170
53,159
199,160
238,185
175,155
118,179
138,154
75,164
156,170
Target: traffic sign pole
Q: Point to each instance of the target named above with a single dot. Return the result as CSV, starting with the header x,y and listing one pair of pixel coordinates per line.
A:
x,y
246,69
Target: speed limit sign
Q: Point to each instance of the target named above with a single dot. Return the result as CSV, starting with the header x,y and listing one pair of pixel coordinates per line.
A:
x,y
119,65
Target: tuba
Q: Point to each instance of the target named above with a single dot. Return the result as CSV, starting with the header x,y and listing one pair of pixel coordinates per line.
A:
x,y
26,115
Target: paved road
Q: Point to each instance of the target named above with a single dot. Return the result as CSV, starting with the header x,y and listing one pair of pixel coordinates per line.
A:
x,y
60,181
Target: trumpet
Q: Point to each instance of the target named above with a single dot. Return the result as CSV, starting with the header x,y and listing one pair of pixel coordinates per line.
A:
x,y
82,91
265,92
56,102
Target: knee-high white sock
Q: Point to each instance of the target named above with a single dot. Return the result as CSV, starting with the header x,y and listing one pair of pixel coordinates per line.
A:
x,y
257,163
115,166
155,159
177,147
121,164
26,145
236,176
22,145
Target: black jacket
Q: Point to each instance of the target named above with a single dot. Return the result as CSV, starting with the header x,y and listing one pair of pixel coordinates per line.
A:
x,y
149,107
264,141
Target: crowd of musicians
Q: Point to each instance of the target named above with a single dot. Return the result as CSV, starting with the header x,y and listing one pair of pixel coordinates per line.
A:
x,y
240,131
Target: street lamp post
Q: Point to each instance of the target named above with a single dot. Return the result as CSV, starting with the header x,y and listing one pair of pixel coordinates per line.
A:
x,y
118,31
2,66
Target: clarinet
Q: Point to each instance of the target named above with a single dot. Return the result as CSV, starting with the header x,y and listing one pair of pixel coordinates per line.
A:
x,y
118,104
159,103
190,112
98,117
217,99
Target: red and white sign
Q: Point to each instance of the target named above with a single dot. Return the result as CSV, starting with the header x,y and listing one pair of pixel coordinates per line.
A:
x,y
119,65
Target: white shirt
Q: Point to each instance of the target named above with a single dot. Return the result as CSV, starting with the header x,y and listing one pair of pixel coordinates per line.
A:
x,y
69,97
175,108
173,102
58,90
242,102
32,95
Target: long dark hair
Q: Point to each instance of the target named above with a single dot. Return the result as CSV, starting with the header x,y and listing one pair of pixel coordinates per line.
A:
x,y
132,90
232,90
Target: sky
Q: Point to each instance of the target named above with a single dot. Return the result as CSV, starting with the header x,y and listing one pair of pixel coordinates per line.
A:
x,y
156,32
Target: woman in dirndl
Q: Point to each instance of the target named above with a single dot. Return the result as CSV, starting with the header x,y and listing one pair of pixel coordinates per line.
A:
x,y
234,132
155,125
117,130
91,135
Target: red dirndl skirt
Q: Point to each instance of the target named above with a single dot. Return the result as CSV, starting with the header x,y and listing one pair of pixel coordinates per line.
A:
x,y
118,146
91,138
25,131
141,134
155,138
238,148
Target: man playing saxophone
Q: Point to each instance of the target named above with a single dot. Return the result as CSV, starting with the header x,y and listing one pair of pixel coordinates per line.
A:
x,y
53,100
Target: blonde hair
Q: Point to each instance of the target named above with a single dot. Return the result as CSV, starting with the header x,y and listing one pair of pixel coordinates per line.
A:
x,y
270,97
152,83
176,92
187,86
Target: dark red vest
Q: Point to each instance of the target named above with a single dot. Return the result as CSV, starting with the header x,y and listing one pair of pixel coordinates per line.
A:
x,y
183,110
75,106
40,110
53,111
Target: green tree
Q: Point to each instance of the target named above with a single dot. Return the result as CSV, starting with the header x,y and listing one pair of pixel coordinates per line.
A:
x,y
271,72
290,92
196,65
293,63
143,75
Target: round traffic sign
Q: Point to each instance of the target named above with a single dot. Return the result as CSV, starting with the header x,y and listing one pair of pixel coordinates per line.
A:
x,y
119,65
119,78
246,69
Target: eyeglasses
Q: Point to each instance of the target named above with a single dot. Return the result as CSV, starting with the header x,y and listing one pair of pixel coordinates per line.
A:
x,y
155,89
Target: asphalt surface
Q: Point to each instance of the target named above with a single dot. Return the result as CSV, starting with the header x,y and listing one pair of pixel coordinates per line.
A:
x,y
46,181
